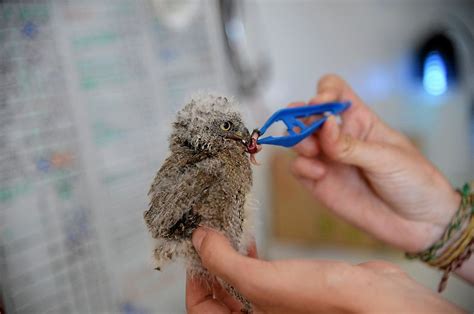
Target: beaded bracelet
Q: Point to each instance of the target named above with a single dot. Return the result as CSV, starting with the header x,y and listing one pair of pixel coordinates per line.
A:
x,y
457,243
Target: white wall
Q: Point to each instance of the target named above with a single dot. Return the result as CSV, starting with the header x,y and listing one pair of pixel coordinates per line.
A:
x,y
370,44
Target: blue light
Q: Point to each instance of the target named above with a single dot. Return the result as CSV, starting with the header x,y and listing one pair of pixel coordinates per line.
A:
x,y
435,79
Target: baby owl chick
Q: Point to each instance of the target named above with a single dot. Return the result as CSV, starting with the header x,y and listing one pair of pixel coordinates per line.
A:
x,y
205,181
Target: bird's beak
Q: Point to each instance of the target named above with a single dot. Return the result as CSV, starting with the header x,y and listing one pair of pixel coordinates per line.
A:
x,y
241,135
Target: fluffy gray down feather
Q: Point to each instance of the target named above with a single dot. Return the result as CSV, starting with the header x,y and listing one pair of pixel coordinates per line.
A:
x,y
205,181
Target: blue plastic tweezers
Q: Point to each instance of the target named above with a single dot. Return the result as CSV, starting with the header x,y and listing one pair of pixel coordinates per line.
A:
x,y
290,116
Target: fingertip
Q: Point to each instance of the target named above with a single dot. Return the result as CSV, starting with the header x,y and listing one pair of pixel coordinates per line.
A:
x,y
331,82
209,242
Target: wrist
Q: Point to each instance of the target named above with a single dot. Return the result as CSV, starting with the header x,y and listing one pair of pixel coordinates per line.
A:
x,y
457,242
447,213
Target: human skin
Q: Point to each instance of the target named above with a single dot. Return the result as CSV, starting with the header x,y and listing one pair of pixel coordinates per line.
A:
x,y
390,190
304,286
369,175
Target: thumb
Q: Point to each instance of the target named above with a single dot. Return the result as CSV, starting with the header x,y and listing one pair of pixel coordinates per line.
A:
x,y
350,150
222,260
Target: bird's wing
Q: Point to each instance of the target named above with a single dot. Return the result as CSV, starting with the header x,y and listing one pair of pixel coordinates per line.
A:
x,y
179,187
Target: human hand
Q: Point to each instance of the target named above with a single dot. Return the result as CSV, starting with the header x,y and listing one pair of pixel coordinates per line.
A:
x,y
372,176
299,286
204,296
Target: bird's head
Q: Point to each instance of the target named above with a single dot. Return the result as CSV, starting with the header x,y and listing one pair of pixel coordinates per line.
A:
x,y
209,123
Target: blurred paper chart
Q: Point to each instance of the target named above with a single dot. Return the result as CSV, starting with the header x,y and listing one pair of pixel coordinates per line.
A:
x,y
87,92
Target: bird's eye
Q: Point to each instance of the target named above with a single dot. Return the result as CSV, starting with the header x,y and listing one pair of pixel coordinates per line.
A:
x,y
226,126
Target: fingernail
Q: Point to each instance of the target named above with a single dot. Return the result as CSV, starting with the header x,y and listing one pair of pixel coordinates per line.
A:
x,y
198,236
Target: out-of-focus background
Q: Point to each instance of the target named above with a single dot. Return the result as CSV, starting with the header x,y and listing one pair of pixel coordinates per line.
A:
x,y
88,90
